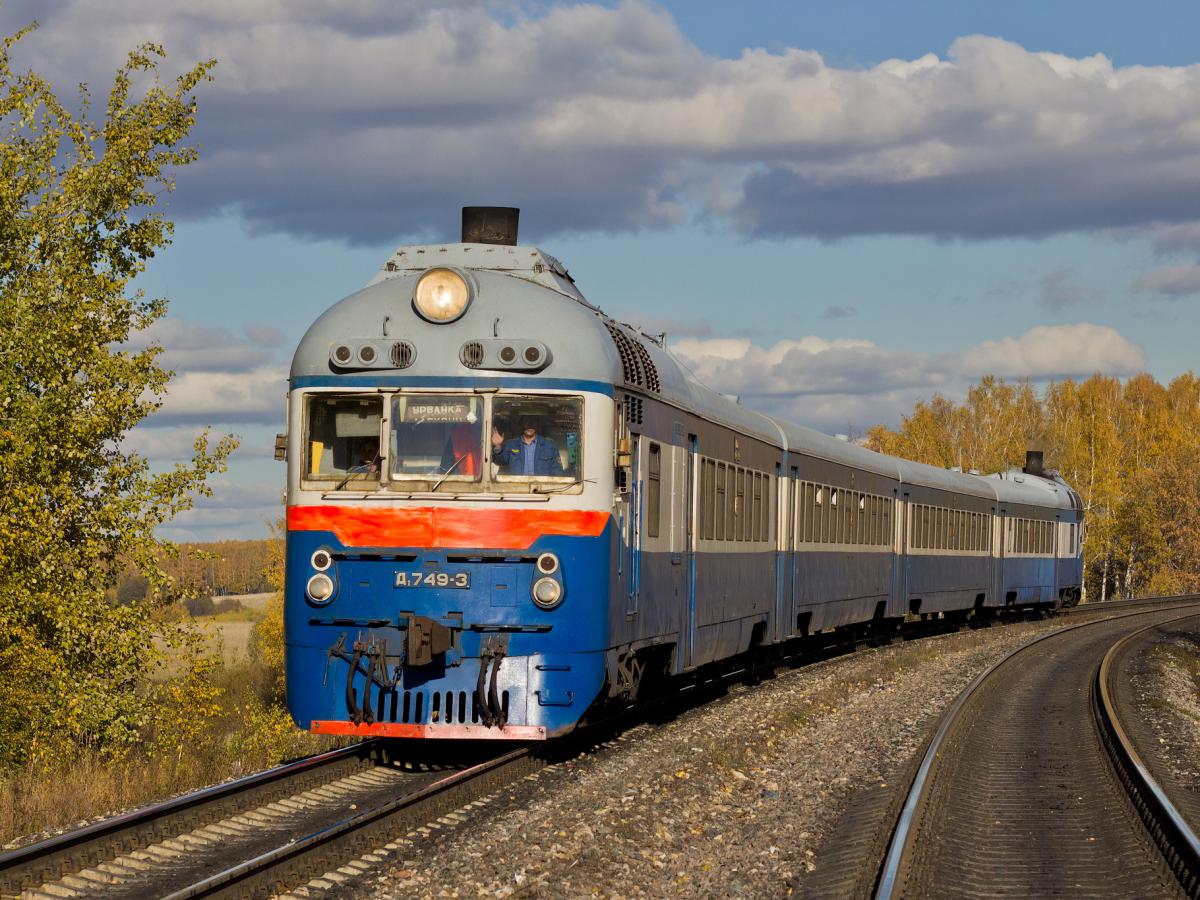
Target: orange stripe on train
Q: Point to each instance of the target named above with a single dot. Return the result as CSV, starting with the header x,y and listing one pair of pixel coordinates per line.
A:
x,y
437,526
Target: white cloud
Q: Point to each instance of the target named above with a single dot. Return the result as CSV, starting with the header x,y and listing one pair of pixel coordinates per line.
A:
x,y
1171,282
236,511
191,347
829,384
162,444
373,121
224,397
219,379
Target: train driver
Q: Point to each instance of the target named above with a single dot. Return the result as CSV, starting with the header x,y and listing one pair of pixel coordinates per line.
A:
x,y
530,454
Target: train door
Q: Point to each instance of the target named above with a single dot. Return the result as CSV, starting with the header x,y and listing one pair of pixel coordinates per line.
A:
x,y
688,640
1000,542
1053,598
905,522
785,503
633,541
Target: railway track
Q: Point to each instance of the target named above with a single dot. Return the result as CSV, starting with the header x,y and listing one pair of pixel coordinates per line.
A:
x,y
1017,793
1170,811
282,828
256,835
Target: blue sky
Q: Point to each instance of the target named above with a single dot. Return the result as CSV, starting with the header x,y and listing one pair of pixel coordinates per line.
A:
x,y
832,209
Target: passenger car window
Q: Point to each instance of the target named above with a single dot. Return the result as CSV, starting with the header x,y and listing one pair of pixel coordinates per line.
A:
x,y
342,442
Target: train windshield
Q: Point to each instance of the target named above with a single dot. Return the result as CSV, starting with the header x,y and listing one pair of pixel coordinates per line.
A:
x,y
536,438
437,437
343,438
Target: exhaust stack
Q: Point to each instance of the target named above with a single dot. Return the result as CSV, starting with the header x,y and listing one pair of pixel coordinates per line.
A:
x,y
490,225
1033,463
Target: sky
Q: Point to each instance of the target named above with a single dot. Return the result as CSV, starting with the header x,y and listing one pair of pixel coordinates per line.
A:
x,y
833,210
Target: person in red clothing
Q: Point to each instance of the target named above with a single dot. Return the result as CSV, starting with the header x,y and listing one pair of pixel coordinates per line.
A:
x,y
461,454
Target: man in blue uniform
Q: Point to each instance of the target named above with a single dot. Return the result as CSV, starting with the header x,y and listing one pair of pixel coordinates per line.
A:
x,y
529,454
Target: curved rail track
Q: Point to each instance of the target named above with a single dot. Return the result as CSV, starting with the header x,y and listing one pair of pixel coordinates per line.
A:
x,y
1016,794
281,828
1171,814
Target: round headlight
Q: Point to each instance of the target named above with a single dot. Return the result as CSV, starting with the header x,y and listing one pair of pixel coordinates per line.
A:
x,y
441,296
547,593
321,560
320,587
547,563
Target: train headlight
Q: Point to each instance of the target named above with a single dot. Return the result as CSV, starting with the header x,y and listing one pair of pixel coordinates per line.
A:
x,y
321,560
547,563
320,588
441,296
547,593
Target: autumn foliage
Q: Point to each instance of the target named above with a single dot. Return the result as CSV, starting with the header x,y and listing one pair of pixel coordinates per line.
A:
x,y
79,191
1130,448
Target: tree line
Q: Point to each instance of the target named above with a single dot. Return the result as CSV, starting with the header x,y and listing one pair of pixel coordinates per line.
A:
x,y
1131,449
204,569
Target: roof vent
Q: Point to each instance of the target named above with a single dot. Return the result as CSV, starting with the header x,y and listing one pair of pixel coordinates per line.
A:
x,y
403,354
637,367
490,225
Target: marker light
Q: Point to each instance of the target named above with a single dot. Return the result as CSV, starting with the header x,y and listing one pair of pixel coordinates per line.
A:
x,y
547,563
441,296
321,560
320,587
547,593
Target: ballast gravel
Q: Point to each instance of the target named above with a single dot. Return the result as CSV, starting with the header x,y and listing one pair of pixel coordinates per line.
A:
x,y
732,798
1168,687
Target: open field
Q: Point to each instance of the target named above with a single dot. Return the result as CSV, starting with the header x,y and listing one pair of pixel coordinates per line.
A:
x,y
231,631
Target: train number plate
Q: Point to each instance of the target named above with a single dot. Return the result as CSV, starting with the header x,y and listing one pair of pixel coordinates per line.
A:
x,y
433,580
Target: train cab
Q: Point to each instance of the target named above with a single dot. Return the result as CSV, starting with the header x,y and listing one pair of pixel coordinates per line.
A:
x,y
450,483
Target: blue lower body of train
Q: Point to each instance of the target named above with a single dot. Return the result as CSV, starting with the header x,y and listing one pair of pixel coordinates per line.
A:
x,y
433,642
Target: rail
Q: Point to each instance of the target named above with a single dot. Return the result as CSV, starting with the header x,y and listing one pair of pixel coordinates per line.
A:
x,y
1175,837
51,858
900,845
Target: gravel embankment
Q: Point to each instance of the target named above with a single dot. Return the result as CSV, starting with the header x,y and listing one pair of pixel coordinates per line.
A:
x,y
1167,682
734,798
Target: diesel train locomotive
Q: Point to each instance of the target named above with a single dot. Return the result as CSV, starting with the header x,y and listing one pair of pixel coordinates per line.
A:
x,y
506,510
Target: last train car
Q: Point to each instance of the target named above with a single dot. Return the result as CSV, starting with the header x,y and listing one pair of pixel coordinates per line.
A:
x,y
504,507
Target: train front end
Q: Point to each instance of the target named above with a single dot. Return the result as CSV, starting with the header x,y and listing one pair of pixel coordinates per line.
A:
x,y
449,506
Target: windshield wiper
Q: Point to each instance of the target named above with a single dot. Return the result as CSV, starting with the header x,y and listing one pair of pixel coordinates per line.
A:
x,y
558,489
448,473
357,470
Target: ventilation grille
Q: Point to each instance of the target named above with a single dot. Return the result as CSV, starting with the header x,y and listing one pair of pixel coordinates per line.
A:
x,y
403,354
636,365
634,409
434,707
471,354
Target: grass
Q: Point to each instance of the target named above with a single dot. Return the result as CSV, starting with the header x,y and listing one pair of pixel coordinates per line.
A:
x,y
222,725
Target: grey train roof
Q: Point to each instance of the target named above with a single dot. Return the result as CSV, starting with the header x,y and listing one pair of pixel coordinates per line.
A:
x,y
524,293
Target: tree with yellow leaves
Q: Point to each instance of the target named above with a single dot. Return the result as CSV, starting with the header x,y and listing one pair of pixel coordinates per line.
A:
x,y
78,221
1131,449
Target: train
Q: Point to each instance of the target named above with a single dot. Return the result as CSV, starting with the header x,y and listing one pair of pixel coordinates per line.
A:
x,y
508,512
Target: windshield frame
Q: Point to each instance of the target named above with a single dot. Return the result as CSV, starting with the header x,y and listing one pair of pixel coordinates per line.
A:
x,y
554,483
490,481
345,480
